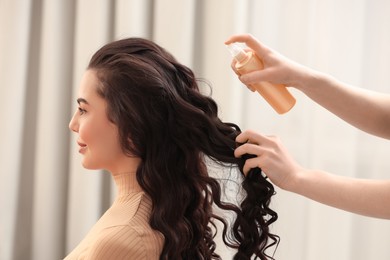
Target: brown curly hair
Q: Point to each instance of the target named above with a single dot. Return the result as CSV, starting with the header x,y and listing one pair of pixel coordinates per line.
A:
x,y
156,103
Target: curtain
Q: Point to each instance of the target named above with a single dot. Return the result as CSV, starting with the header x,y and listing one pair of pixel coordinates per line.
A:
x,y
48,201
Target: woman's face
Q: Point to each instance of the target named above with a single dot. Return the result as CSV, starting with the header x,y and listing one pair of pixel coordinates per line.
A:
x,y
98,137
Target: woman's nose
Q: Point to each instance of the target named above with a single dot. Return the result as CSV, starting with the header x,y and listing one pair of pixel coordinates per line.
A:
x,y
73,124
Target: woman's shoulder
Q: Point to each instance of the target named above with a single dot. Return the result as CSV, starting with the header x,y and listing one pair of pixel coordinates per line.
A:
x,y
118,242
131,241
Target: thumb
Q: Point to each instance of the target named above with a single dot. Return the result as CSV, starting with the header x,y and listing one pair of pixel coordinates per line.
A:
x,y
256,76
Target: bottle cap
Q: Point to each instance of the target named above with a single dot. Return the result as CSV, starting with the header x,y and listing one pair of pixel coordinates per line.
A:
x,y
237,52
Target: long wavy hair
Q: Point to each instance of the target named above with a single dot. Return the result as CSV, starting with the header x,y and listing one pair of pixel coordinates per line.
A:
x,y
164,119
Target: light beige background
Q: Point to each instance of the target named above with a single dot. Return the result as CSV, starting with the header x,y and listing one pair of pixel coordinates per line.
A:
x,y
48,202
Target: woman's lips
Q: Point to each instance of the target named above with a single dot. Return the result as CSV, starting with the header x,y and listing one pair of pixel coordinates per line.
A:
x,y
82,147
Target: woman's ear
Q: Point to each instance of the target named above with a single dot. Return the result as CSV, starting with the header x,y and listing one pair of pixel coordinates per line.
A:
x,y
131,147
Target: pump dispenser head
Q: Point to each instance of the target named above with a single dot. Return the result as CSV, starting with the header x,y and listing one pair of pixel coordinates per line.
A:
x,y
237,52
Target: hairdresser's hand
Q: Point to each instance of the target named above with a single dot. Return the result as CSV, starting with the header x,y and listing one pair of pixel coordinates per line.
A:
x,y
271,156
277,68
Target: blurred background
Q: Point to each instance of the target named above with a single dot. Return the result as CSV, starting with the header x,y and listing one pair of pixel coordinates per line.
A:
x,y
48,201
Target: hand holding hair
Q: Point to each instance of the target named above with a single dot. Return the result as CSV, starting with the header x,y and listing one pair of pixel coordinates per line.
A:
x,y
270,155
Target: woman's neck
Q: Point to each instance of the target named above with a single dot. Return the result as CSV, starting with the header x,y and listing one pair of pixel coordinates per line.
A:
x,y
126,183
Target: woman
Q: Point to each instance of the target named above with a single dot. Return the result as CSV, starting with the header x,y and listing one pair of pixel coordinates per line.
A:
x,y
142,118
366,110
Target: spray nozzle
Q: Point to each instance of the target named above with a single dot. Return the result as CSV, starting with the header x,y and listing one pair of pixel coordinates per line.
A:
x,y
237,52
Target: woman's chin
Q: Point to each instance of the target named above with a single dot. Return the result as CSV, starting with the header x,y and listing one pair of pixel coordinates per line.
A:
x,y
90,165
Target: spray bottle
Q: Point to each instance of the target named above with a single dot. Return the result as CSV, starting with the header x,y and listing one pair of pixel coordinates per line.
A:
x,y
276,95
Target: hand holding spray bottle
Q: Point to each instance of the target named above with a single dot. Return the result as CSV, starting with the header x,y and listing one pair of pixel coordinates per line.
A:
x,y
276,95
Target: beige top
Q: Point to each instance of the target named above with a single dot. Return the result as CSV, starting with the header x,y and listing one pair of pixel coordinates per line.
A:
x,y
123,232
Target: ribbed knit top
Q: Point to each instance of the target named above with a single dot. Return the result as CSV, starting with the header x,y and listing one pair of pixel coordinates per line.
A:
x,y
123,232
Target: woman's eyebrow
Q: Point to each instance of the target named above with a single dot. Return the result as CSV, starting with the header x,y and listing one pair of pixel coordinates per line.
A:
x,y
82,100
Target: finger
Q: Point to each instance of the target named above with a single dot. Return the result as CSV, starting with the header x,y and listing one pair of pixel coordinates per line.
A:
x,y
252,136
248,148
233,66
256,76
251,164
250,41
242,137
251,88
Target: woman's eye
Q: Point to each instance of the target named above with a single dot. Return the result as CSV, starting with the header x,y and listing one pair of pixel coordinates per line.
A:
x,y
81,111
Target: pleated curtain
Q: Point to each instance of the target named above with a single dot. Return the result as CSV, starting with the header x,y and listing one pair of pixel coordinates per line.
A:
x,y
48,201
